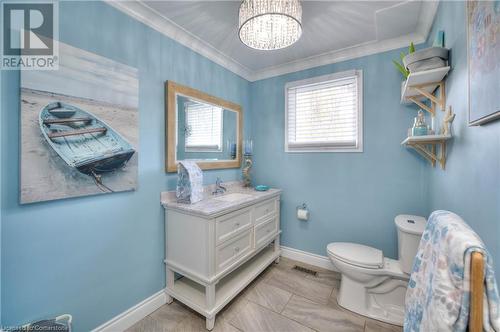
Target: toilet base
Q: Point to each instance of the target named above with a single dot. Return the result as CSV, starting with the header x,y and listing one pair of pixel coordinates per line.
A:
x,y
383,301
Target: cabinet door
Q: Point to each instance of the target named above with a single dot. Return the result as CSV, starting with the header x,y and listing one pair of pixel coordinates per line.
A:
x,y
265,231
232,224
263,211
233,250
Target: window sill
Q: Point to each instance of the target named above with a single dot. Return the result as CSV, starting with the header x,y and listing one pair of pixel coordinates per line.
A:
x,y
335,150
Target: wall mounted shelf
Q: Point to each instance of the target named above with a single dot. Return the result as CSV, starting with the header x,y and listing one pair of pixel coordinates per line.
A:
x,y
426,146
422,86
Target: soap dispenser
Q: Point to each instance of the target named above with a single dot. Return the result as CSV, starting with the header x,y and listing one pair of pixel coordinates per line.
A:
x,y
419,126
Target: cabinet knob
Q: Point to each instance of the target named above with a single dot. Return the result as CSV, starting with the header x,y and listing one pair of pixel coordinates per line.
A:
x,y
237,249
237,224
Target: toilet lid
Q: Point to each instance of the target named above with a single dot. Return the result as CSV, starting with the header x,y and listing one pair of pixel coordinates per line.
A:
x,y
357,254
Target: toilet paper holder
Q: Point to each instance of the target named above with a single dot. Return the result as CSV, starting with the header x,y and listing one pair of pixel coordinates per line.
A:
x,y
302,212
303,206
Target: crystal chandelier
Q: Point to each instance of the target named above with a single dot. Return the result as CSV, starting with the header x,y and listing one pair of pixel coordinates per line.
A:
x,y
270,24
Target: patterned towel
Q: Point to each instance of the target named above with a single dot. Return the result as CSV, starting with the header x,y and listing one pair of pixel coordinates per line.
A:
x,y
189,182
438,292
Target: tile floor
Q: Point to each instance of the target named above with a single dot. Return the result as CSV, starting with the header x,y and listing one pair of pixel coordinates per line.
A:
x,y
280,299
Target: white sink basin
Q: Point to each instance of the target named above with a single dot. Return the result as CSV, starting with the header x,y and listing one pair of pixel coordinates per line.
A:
x,y
233,197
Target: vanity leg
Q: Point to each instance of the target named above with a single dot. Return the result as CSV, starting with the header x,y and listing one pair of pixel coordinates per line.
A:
x,y
277,248
210,300
210,295
210,323
170,284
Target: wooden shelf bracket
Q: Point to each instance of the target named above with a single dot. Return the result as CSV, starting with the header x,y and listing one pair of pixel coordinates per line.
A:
x,y
427,147
436,99
428,151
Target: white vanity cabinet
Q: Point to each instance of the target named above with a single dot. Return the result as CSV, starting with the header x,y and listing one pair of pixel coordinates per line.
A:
x,y
212,256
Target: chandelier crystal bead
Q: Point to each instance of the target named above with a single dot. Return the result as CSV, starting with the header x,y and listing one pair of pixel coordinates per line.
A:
x,y
270,24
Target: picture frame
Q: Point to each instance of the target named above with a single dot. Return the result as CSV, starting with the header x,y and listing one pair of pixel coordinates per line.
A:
x,y
483,62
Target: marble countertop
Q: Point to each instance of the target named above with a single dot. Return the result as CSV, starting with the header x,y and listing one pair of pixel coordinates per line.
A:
x,y
212,207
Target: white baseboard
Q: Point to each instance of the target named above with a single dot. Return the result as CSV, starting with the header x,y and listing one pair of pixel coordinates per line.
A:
x,y
308,258
131,316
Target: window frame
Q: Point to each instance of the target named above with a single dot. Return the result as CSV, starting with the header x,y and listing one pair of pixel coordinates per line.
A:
x,y
324,78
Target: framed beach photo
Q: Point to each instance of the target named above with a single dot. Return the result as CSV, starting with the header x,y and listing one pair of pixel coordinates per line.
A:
x,y
483,57
79,128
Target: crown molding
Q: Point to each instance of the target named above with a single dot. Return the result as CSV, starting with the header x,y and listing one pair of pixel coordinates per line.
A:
x,y
426,17
349,53
152,18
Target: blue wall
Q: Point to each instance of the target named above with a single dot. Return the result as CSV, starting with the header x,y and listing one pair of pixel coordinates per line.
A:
x,y
95,257
351,196
470,185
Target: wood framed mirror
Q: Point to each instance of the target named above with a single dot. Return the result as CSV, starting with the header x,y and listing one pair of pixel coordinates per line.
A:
x,y
202,128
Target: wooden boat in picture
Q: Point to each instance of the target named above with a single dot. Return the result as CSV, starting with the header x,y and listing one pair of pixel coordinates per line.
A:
x,y
82,140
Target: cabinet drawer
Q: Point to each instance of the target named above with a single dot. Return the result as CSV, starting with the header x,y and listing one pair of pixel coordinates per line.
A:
x,y
265,210
234,249
265,231
229,225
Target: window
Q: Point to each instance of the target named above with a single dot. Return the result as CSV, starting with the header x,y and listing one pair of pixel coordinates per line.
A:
x,y
203,127
325,114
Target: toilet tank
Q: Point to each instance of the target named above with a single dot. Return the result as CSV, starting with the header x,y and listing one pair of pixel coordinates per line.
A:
x,y
410,229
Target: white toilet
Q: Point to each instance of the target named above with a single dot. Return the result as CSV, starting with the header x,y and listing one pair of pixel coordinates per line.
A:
x,y
373,285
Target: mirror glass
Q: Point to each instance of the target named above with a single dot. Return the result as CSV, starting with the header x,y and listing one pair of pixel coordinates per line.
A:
x,y
205,131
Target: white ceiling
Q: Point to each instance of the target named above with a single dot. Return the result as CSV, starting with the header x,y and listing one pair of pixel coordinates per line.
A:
x,y
332,31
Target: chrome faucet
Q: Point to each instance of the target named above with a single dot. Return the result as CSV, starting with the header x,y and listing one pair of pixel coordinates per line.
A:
x,y
219,189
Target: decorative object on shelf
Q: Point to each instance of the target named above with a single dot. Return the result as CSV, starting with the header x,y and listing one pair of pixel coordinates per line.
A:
x,y
270,24
262,187
426,59
189,182
449,116
483,26
419,126
439,39
79,128
400,65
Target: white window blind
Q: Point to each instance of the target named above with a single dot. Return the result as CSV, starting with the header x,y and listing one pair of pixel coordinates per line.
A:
x,y
203,127
324,113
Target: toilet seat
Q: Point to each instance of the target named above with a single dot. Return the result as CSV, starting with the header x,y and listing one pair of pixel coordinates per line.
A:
x,y
357,254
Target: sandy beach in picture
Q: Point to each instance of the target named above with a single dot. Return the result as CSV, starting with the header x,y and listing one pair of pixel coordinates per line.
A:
x,y
102,87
